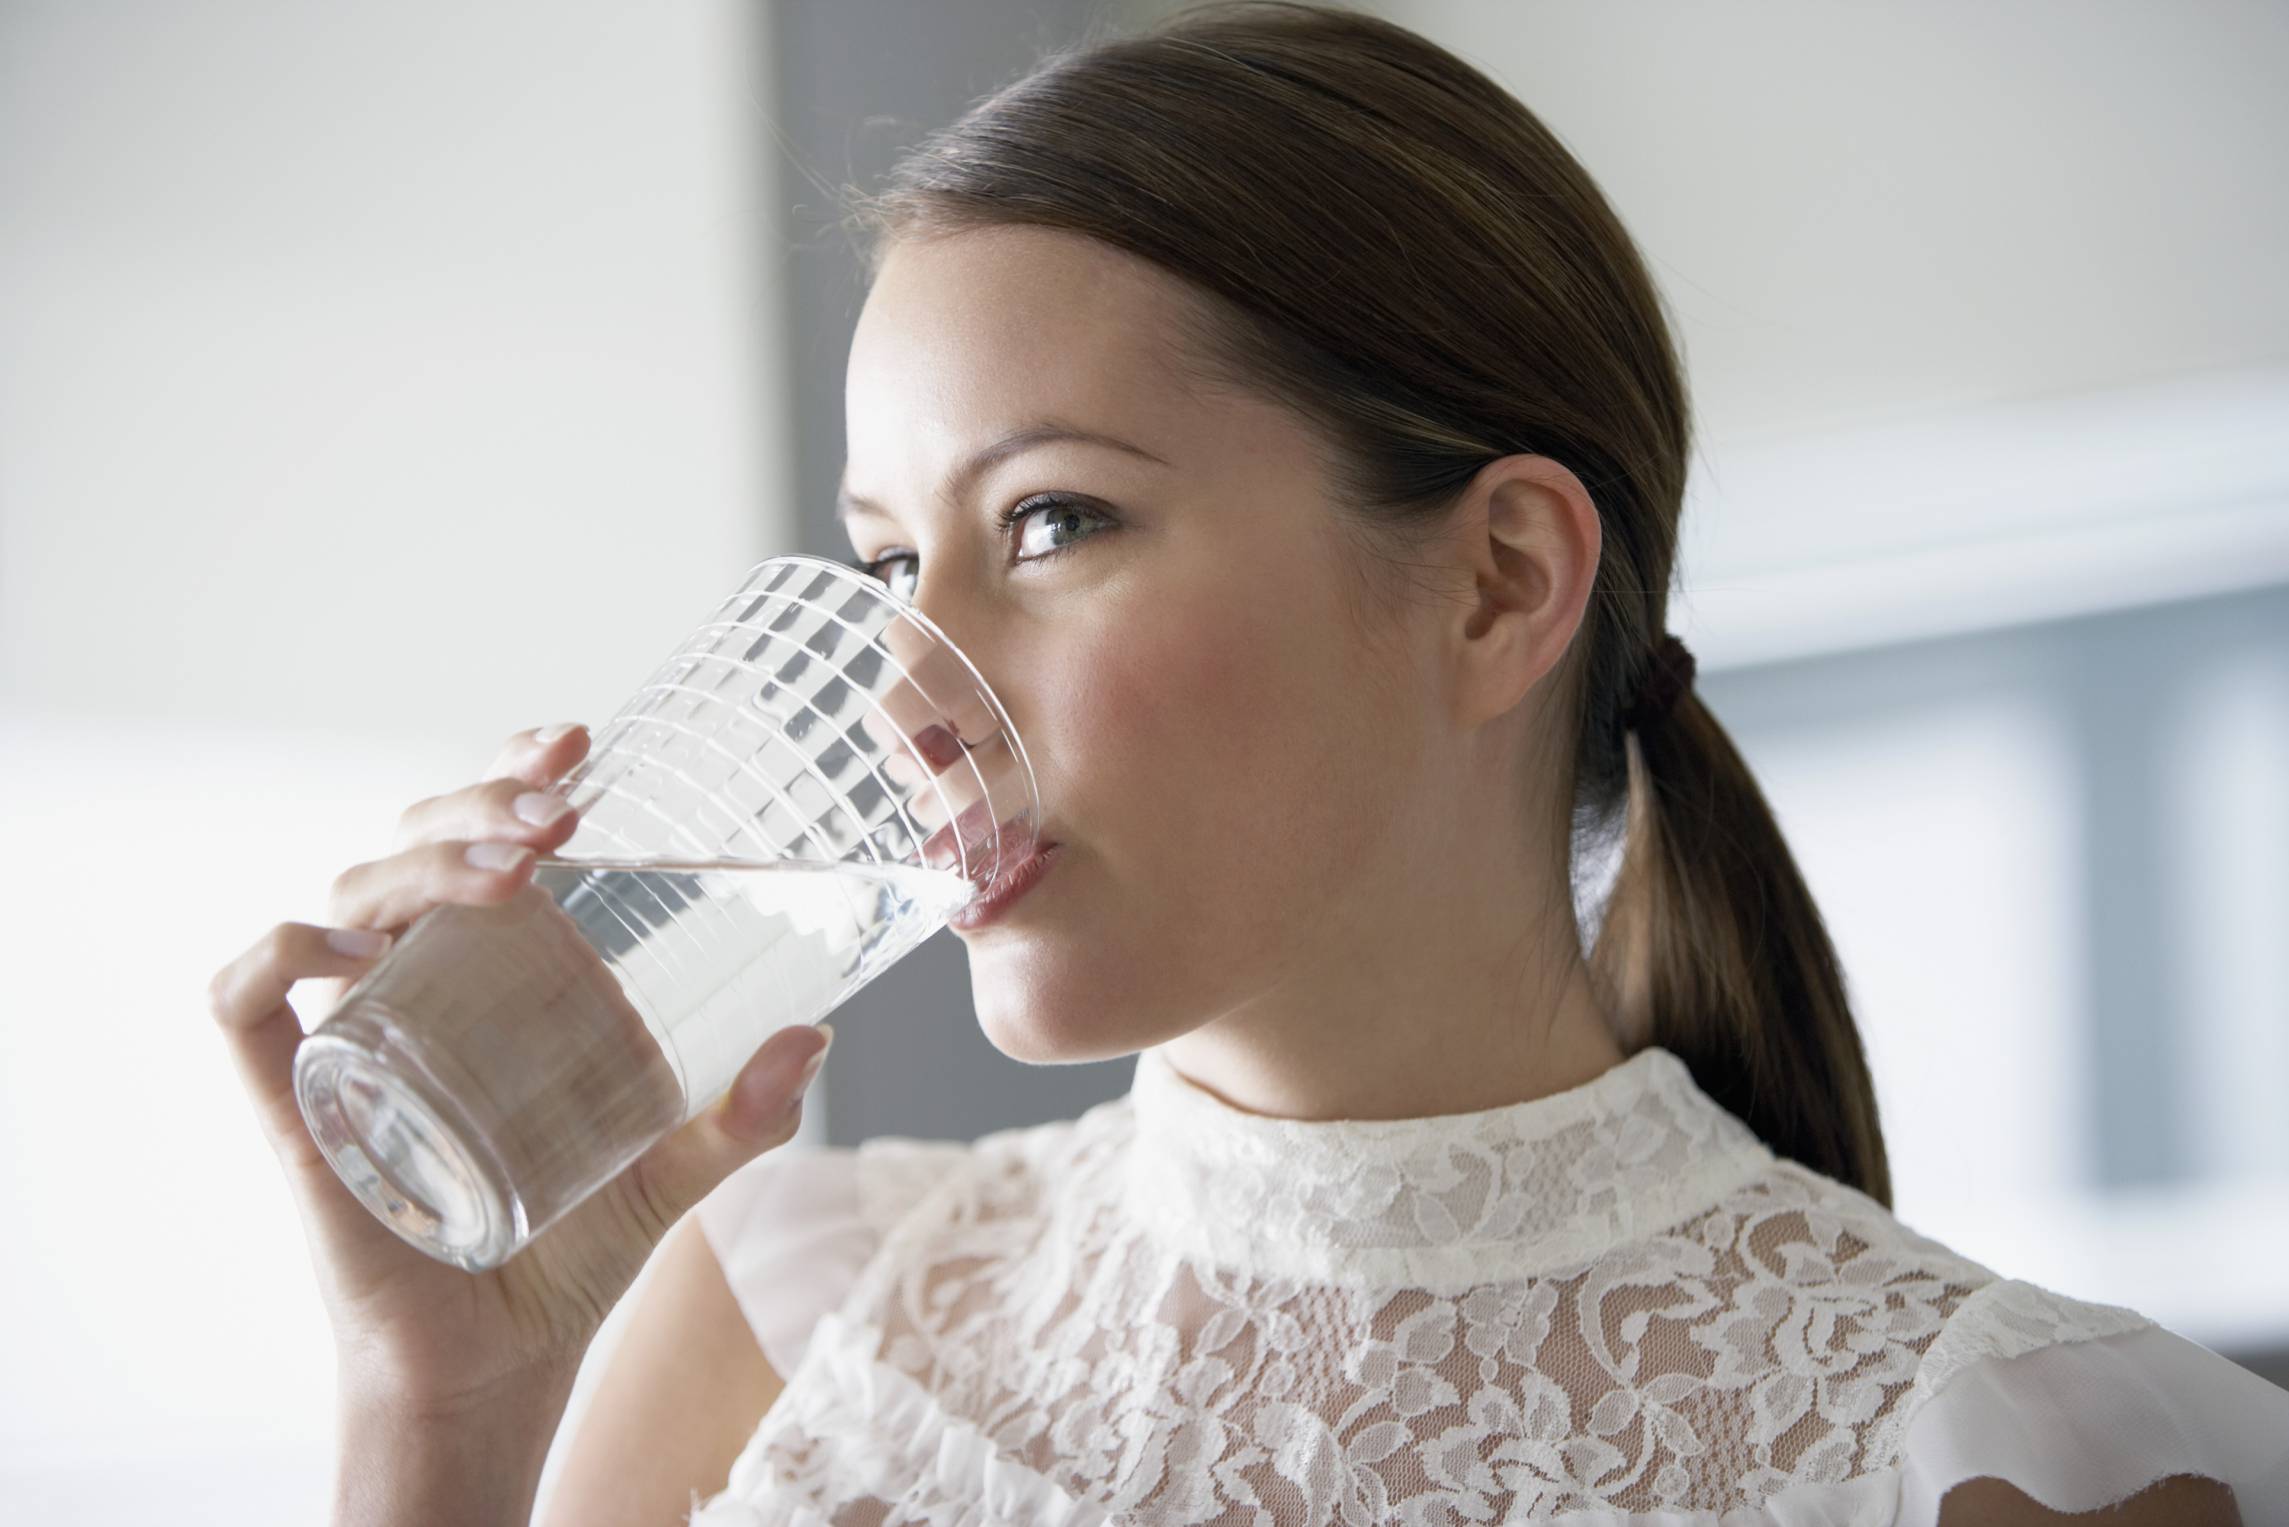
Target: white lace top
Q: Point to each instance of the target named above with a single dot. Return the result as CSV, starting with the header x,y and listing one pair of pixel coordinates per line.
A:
x,y
1612,1304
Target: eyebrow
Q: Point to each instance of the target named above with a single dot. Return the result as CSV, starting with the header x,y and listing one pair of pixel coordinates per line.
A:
x,y
1047,432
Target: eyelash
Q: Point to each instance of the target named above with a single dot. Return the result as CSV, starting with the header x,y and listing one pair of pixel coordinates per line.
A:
x,y
1003,523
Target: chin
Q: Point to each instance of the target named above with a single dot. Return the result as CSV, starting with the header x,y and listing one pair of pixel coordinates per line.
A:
x,y
1038,1034
1032,1017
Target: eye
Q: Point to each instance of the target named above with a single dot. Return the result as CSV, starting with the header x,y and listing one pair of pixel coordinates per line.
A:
x,y
873,568
1061,510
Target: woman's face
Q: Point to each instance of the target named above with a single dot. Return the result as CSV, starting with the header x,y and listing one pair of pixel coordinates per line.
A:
x,y
1229,765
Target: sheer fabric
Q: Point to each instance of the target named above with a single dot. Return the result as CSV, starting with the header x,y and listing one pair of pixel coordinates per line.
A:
x,y
1613,1305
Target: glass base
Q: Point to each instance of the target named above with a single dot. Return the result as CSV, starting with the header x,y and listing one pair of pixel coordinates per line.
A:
x,y
397,1145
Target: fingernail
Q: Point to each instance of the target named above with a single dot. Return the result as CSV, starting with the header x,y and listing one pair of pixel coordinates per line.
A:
x,y
361,943
549,734
489,855
938,745
811,1066
539,807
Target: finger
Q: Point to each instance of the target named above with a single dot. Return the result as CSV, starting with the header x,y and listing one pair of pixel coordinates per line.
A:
x,y
392,892
935,685
941,797
247,999
974,817
508,807
760,1111
536,757
990,834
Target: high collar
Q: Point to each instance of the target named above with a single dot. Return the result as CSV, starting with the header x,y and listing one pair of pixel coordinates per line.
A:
x,y
1441,1202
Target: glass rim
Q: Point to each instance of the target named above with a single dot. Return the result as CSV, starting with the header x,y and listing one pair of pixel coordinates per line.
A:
x,y
848,574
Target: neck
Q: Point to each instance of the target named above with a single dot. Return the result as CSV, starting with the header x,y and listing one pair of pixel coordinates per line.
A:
x,y
1439,1016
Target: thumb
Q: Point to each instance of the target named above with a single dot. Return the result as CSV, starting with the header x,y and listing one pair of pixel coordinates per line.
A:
x,y
760,1111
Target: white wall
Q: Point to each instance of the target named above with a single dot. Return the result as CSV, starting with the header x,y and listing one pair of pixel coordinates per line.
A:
x,y
374,381
1867,213
384,368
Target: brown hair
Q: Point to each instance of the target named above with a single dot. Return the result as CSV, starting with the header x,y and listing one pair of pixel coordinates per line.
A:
x,y
1388,242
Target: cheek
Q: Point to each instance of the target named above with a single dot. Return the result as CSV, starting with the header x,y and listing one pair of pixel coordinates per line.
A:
x,y
1221,754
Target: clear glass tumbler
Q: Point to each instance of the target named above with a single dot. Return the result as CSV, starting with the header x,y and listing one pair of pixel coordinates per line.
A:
x,y
812,785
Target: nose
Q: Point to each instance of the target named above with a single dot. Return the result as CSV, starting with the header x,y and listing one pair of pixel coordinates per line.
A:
x,y
933,688
967,778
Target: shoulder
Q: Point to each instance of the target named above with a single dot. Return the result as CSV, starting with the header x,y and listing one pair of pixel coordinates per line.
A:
x,y
872,1186
888,1183
795,1227
891,1174
2022,1403
2034,1405
1826,1293
2009,1401
1023,1172
2185,1500
1949,1309
1790,1224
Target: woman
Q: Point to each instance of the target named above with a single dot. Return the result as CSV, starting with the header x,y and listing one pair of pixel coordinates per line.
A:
x,y
1287,426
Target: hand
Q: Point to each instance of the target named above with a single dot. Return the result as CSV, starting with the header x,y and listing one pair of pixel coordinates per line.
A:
x,y
405,1323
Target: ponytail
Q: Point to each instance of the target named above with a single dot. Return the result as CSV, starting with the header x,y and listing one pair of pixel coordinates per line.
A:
x,y
1714,950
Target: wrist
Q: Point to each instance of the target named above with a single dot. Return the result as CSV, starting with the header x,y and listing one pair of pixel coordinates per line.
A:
x,y
367,1381
407,1456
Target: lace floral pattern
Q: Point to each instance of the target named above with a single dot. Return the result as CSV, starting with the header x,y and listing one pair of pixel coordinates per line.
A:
x,y
1610,1299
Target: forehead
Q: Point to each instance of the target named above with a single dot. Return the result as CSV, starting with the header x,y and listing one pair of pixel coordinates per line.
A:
x,y
969,335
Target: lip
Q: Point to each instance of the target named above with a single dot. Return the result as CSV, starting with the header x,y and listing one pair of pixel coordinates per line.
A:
x,y
1006,889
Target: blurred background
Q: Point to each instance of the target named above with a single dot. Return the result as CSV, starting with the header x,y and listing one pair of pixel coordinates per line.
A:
x,y
379,380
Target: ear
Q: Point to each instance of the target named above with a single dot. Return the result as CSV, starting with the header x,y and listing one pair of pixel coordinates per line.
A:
x,y
1527,533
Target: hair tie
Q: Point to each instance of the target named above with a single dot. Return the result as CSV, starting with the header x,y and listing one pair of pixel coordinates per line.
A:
x,y
1671,675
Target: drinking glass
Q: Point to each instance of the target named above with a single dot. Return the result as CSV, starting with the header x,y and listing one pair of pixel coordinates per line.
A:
x,y
804,791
